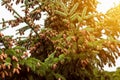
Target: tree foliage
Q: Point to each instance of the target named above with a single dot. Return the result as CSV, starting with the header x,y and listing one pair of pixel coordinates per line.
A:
x,y
69,47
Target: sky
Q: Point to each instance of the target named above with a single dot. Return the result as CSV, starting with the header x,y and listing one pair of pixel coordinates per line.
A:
x,y
107,4
102,7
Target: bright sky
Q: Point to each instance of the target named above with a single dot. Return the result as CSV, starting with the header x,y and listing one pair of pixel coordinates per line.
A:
x,y
107,4
102,7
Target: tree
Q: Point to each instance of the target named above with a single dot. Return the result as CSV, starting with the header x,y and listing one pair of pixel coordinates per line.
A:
x,y
69,46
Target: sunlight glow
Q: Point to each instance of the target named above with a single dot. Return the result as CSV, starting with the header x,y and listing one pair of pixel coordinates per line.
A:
x,y
105,5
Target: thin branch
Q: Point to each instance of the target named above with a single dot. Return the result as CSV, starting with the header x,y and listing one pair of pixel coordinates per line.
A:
x,y
14,10
27,22
32,27
7,21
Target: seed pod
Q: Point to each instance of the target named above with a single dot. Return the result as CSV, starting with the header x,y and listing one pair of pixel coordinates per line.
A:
x,y
1,34
98,47
14,58
2,54
108,43
5,56
38,64
18,67
0,67
1,57
6,73
83,32
59,79
14,70
11,43
23,57
28,69
84,63
17,71
52,18
64,36
3,75
17,50
54,66
3,66
26,54
88,38
112,47
33,48
8,66
10,74
74,38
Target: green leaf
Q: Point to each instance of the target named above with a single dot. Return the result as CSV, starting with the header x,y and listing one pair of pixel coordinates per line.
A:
x,y
63,6
32,63
57,76
72,25
26,1
68,38
30,77
42,69
111,38
0,51
74,17
19,47
50,77
55,60
89,29
88,16
22,62
84,12
10,52
23,29
79,18
74,8
7,63
62,14
50,57
8,59
65,21
61,57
